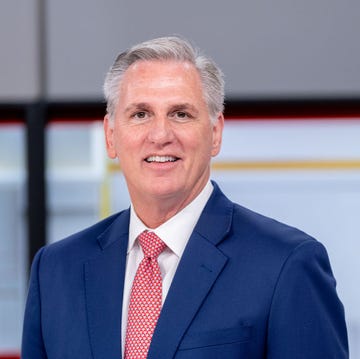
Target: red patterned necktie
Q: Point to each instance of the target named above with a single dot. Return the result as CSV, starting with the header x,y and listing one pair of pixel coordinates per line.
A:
x,y
145,298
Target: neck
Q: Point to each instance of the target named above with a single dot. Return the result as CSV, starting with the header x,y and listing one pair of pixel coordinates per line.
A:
x,y
153,212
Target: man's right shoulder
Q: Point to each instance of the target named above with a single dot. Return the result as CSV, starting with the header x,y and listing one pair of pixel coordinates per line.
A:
x,y
84,243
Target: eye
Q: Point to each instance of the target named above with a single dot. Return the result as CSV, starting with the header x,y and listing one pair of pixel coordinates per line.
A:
x,y
181,115
140,116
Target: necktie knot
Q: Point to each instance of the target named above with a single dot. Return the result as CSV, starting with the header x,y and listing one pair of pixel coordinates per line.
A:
x,y
151,244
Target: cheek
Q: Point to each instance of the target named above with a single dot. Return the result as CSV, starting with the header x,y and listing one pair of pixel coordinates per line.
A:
x,y
127,144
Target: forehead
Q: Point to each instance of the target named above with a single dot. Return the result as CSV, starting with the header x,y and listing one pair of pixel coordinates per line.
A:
x,y
157,75
161,67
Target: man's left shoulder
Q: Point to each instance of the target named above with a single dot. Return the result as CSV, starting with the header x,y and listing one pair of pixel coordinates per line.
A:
x,y
266,233
249,230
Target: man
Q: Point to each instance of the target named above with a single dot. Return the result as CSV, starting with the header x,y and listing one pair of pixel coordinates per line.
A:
x,y
224,282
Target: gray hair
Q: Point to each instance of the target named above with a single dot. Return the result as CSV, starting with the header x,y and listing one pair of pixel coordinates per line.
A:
x,y
162,49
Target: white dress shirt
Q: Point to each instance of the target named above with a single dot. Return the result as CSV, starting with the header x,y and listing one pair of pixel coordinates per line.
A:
x,y
175,233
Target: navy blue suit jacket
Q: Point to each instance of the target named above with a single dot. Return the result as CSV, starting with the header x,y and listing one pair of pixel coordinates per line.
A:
x,y
247,287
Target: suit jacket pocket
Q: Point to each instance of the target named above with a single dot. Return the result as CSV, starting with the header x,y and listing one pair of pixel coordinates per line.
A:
x,y
218,337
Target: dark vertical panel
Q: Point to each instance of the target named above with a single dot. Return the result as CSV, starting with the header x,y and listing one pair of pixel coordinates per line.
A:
x,y
42,48
36,185
36,118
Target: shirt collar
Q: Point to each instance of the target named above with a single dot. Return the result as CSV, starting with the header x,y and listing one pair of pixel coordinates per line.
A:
x,y
176,231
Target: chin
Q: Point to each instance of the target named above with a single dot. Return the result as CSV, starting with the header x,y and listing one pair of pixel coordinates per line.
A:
x,y
163,189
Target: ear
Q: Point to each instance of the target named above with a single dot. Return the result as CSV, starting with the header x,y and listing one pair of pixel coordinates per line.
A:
x,y
217,135
109,136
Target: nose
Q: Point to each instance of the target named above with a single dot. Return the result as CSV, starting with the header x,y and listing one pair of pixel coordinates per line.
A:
x,y
160,130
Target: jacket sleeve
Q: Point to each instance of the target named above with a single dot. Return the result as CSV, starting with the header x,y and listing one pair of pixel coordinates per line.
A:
x,y
307,318
32,339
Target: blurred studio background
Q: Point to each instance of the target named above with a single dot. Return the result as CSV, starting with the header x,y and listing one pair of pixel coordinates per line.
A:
x,y
291,146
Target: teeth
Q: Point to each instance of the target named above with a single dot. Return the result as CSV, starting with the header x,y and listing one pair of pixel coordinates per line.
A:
x,y
161,159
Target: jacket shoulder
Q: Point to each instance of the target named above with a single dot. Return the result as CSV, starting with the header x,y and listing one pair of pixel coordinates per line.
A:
x,y
266,236
83,244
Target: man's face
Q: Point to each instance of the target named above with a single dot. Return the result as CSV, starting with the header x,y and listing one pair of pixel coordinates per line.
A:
x,y
162,133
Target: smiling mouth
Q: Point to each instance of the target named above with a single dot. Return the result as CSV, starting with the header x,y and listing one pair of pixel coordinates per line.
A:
x,y
161,159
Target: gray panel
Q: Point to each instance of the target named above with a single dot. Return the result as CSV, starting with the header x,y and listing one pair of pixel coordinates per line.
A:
x,y
83,37
19,50
265,48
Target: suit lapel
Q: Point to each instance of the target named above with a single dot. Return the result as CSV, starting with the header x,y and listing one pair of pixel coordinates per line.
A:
x,y
104,277
200,266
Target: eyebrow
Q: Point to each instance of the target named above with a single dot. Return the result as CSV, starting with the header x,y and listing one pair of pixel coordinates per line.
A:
x,y
174,107
137,106
184,106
